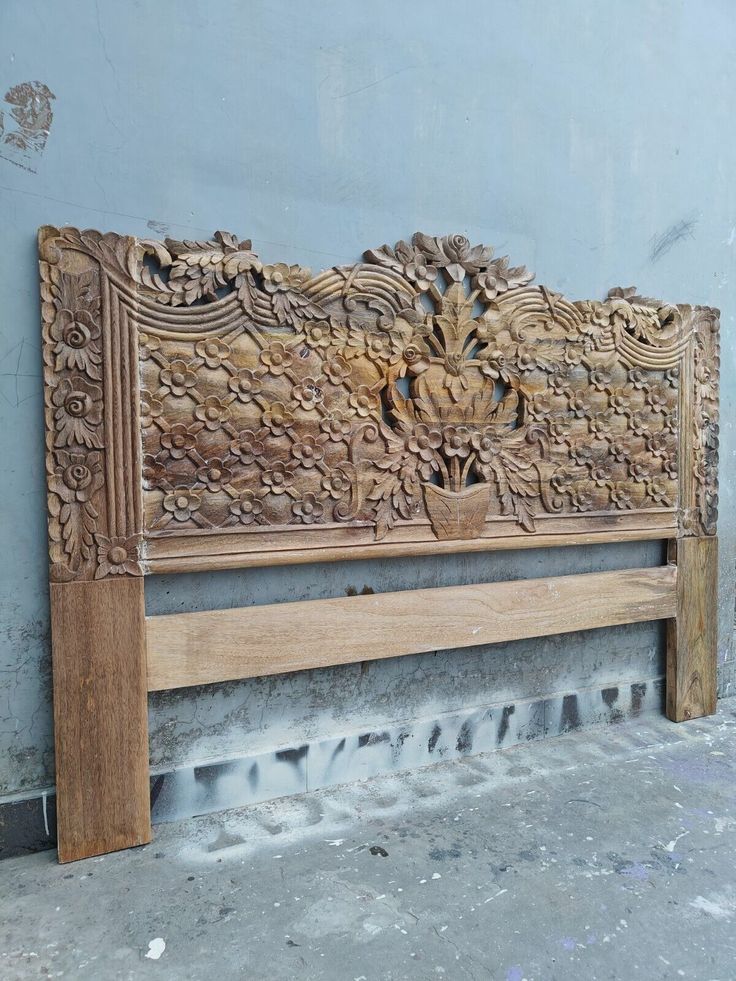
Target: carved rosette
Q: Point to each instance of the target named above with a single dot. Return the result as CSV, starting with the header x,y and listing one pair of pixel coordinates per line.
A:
x,y
432,386
91,408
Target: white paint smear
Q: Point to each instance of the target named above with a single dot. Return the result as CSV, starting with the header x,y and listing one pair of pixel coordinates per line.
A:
x,y
156,947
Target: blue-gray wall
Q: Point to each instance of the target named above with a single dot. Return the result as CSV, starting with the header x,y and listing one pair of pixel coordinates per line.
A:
x,y
593,141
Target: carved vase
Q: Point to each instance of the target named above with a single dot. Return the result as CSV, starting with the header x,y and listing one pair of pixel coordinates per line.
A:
x,y
457,514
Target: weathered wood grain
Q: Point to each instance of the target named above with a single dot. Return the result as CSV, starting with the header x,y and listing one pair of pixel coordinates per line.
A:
x,y
221,645
692,638
100,716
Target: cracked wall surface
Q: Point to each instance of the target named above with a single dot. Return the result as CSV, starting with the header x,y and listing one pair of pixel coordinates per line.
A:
x,y
568,140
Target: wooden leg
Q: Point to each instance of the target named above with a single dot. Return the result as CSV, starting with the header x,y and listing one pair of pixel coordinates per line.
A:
x,y
100,716
693,636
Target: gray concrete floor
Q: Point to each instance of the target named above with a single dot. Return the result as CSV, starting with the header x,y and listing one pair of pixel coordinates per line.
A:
x,y
597,855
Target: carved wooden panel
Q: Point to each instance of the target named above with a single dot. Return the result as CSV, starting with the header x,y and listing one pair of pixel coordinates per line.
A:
x,y
204,409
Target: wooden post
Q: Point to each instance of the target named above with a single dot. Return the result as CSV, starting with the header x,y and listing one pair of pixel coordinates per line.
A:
x,y
100,716
693,636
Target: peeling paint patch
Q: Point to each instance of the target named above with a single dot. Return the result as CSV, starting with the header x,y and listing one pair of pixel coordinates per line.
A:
x,y
25,121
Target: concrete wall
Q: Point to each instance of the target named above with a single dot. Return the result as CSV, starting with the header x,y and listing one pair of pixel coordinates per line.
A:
x,y
593,141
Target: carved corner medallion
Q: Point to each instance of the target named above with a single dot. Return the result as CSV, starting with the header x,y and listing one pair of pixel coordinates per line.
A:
x,y
428,392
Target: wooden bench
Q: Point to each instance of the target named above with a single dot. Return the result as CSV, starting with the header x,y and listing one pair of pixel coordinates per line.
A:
x,y
205,411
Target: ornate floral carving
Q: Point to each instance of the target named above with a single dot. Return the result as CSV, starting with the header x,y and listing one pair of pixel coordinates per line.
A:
x,y
431,386
81,542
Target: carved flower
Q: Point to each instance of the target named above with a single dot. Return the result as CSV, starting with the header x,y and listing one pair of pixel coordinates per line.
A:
x,y
560,384
638,379
179,377
669,465
246,507
278,418
181,503
493,364
657,490
77,476
485,445
424,441
337,426
669,421
364,401
600,424
214,474
74,335
318,333
247,445
282,277
499,278
117,556
213,351
657,444
582,454
637,425
600,379
213,412
582,501
600,475
279,478
309,509
620,400
571,356
179,440
561,481
379,346
308,392
455,378
620,497
277,358
154,471
416,355
456,441
337,484
148,344
151,408
657,399
337,370
526,358
421,272
247,383
309,451
619,451
672,376
579,405
638,471
540,406
78,412
558,433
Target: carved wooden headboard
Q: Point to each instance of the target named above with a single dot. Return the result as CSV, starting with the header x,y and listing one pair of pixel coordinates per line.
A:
x,y
206,411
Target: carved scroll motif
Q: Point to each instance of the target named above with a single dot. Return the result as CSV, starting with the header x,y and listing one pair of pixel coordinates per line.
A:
x,y
431,386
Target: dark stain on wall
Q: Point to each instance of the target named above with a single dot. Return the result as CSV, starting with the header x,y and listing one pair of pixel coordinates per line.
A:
x,y
503,727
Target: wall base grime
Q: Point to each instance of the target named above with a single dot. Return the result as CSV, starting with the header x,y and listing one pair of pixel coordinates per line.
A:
x,y
30,825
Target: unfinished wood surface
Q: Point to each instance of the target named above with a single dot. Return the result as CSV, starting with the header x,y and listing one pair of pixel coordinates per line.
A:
x,y
692,638
428,393
100,716
221,645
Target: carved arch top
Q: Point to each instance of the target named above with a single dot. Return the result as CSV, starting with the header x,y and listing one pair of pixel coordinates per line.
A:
x,y
201,403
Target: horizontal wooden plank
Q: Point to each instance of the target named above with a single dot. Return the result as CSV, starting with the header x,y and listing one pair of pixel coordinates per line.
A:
x,y
248,548
223,645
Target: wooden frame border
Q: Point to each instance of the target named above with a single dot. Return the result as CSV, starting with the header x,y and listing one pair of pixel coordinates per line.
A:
x,y
95,293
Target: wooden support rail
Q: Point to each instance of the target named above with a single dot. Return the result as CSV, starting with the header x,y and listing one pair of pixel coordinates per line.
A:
x,y
222,645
